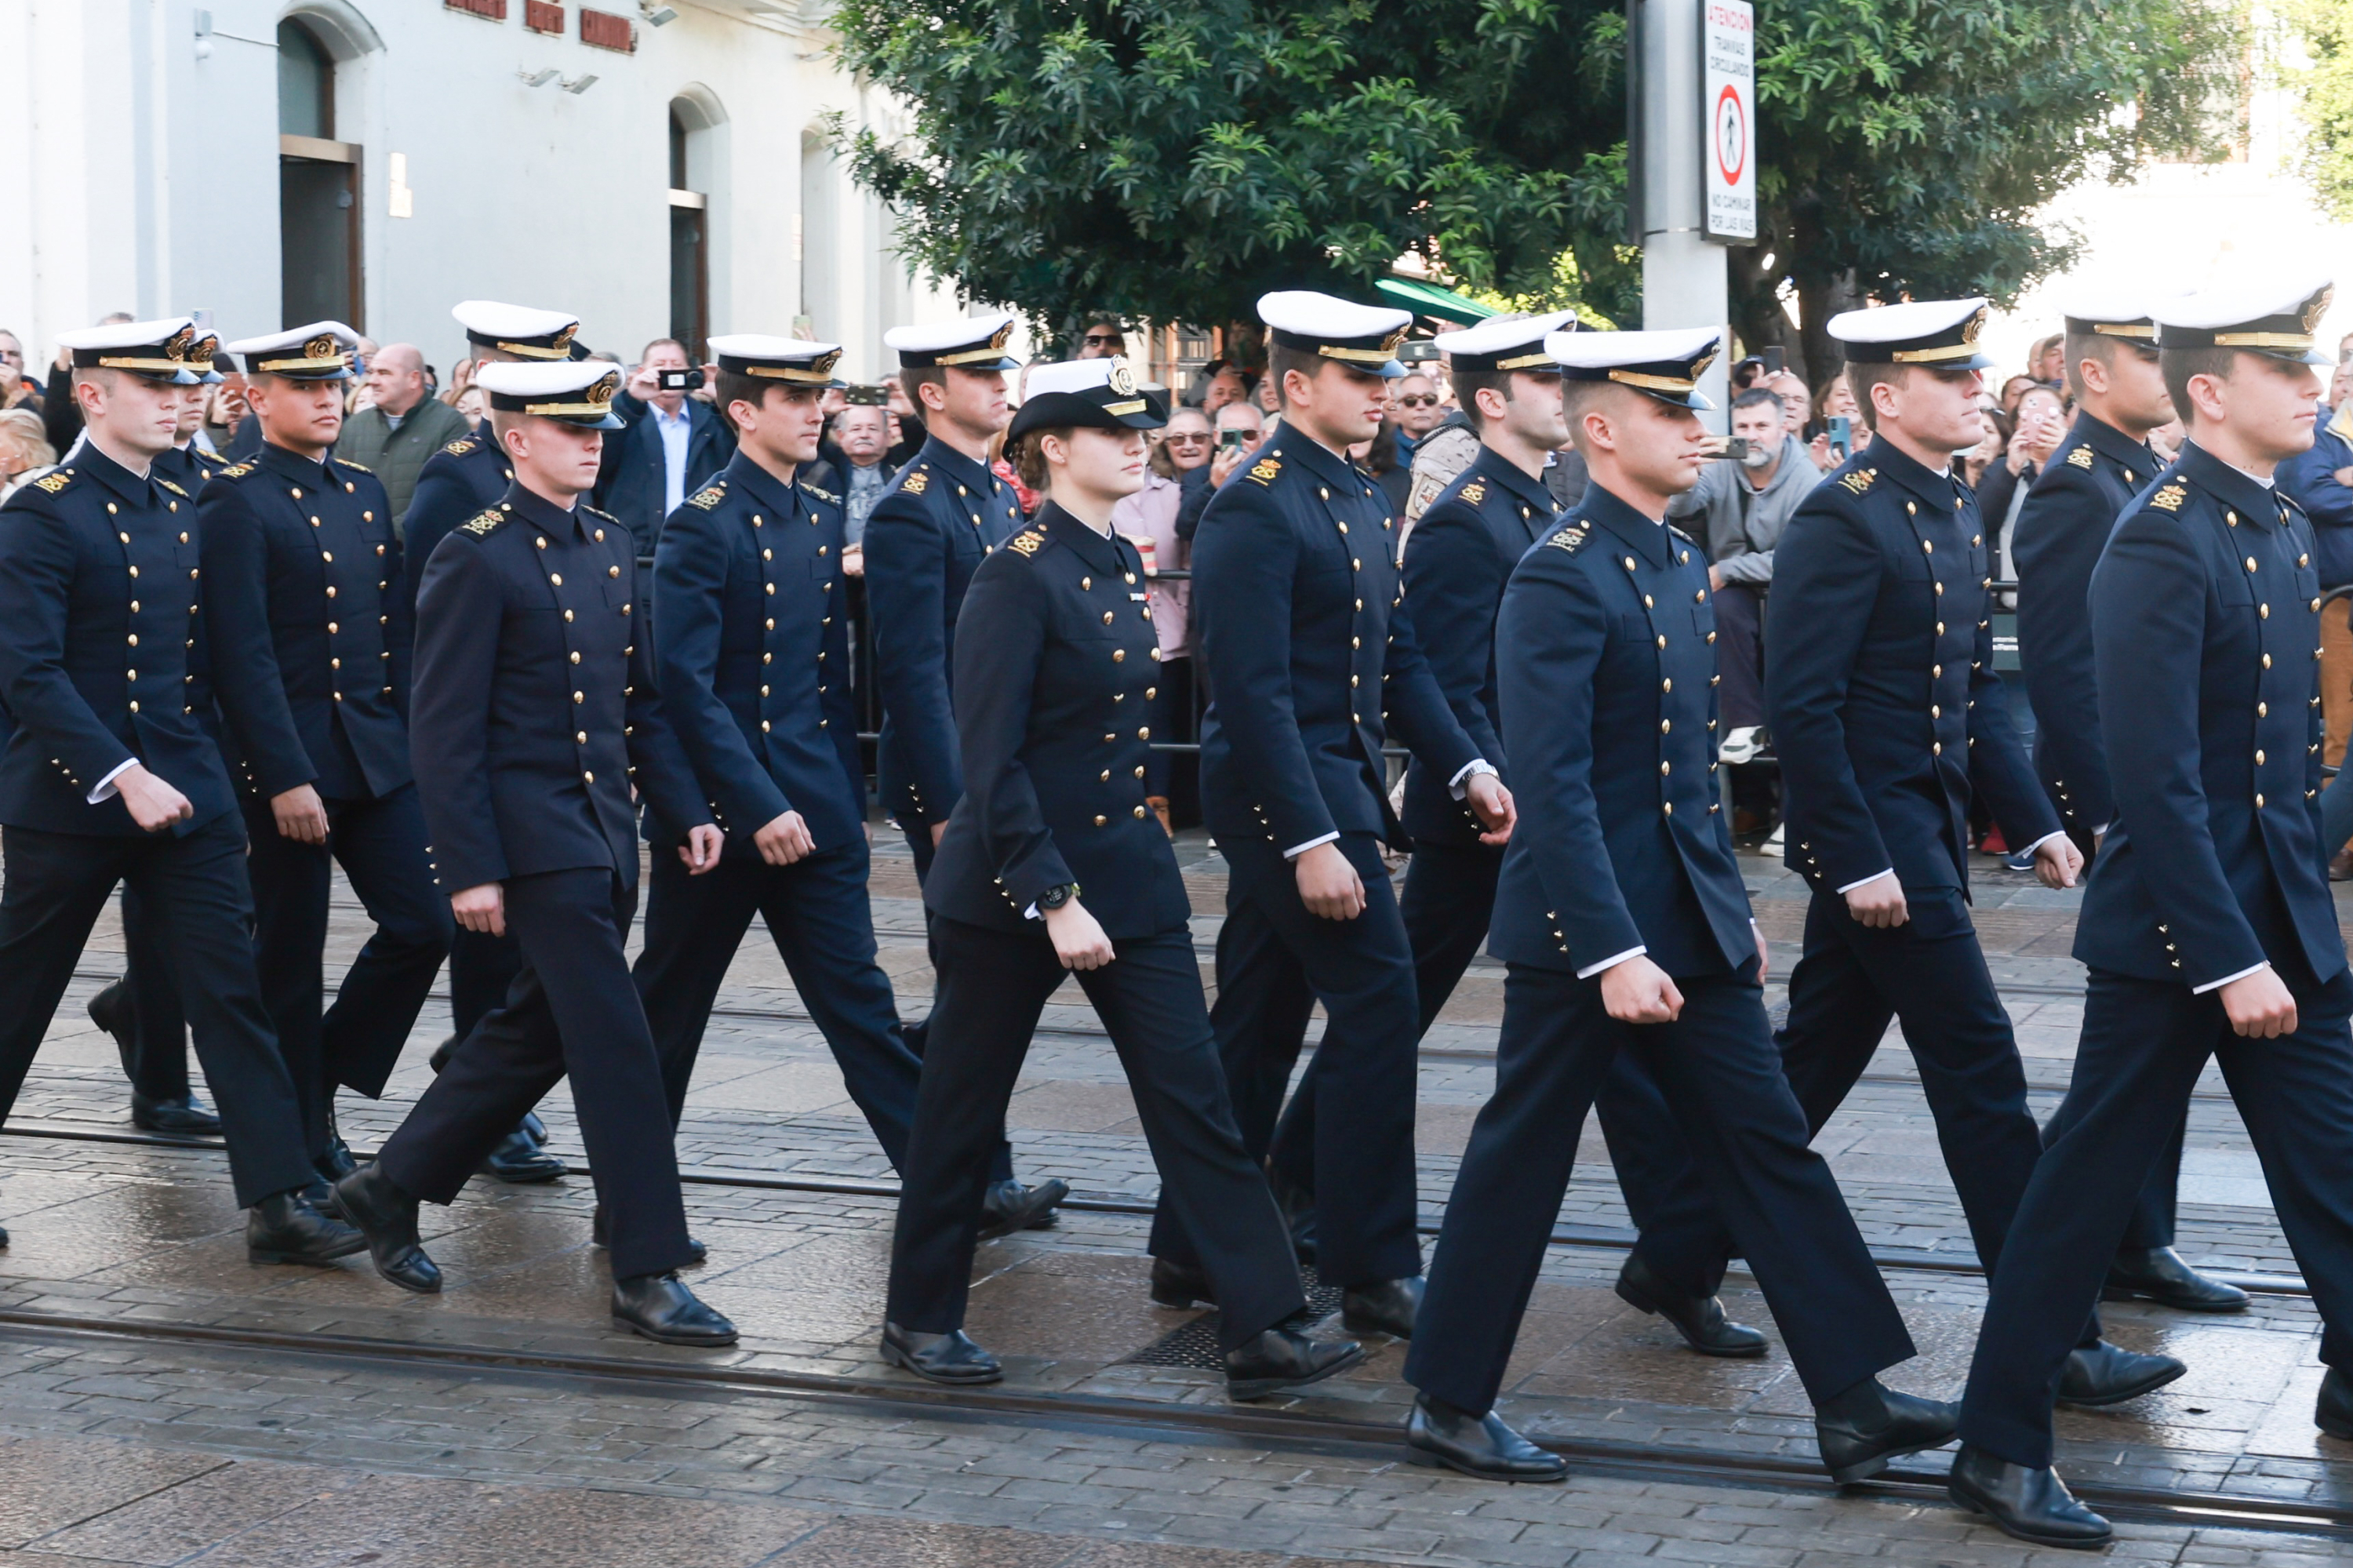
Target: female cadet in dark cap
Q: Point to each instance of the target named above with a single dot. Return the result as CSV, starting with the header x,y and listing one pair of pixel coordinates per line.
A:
x,y
1052,863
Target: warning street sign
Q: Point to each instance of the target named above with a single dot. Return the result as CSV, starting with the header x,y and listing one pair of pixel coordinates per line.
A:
x,y
1728,93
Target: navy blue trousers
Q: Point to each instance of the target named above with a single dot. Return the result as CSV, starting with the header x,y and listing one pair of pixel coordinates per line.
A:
x,y
817,912
993,985
573,1012
1447,905
356,1042
1275,962
2143,1047
918,1033
192,887
159,1055
1748,1141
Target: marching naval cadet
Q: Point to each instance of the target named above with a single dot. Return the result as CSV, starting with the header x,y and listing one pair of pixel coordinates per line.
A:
x,y
1309,654
1458,557
1879,688
2207,927
535,716
1053,865
107,777
2105,461
311,638
753,646
142,1009
943,514
1626,928
456,483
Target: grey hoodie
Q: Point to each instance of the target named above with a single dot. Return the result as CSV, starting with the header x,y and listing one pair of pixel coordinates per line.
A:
x,y
1743,523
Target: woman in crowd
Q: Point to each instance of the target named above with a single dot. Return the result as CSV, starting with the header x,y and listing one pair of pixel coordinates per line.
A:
x,y
1180,462
2041,424
24,447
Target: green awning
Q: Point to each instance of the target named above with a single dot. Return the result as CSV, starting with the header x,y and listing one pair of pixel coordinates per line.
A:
x,y
1429,299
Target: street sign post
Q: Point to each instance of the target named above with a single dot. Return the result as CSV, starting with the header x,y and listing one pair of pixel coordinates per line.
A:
x,y
1729,110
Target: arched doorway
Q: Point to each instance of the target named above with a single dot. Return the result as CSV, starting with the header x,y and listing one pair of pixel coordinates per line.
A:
x,y
318,186
694,120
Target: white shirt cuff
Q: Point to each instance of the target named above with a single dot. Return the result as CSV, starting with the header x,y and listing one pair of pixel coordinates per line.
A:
x,y
1589,970
2226,980
1459,785
1866,882
1297,850
2044,840
106,789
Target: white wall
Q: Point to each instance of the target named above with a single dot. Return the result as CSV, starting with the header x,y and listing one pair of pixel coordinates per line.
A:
x,y
146,161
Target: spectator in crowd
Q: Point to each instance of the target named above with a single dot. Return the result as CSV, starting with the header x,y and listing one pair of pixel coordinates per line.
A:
x,y
907,430
401,427
1741,507
1223,381
2047,362
15,387
862,432
2320,480
2042,425
1417,412
2166,441
60,418
1236,431
24,447
1179,469
1268,395
2012,390
1380,459
1837,402
461,376
674,446
1749,372
1989,451
1102,338
225,413
1796,401
470,405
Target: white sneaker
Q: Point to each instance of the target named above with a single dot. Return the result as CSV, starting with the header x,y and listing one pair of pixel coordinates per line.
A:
x,y
1773,845
1739,746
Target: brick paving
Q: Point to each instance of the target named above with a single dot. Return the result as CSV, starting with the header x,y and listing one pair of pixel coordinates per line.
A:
x,y
130,1451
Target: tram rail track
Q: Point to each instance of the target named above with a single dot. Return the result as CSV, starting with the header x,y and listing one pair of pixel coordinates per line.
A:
x,y
1279,1427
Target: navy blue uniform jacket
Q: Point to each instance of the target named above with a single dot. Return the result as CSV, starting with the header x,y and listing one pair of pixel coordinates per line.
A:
x,y
309,625
754,650
1605,668
456,482
1457,559
2083,490
1055,675
101,602
2205,624
1879,682
535,706
924,540
1309,652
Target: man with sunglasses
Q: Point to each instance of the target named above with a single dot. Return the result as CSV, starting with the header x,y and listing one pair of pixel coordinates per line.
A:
x,y
1417,413
1103,338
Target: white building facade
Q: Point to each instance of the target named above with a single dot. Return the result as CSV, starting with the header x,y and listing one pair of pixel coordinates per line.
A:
x,y
659,167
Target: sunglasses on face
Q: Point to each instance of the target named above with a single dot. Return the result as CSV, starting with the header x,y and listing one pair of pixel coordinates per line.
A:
x,y
1419,400
1183,439
1093,338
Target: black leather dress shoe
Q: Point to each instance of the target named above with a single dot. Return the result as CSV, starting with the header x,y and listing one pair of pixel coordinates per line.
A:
x,y
2034,1506
1438,1434
1700,1319
520,1160
1009,1206
183,1115
2158,1274
2332,1412
1282,1359
336,1162
1176,1285
950,1358
387,1217
1384,1306
111,1010
599,1237
1862,1428
287,1227
2109,1374
658,1308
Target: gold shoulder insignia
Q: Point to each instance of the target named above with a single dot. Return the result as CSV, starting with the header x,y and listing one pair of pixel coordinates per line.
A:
x,y
1571,538
916,482
51,483
483,523
459,447
1679,533
2080,458
359,467
709,496
594,512
172,487
236,471
828,496
1264,470
2170,498
1858,481
1029,542
1475,491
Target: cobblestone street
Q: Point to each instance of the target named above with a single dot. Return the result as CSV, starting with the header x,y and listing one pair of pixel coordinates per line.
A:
x,y
162,1401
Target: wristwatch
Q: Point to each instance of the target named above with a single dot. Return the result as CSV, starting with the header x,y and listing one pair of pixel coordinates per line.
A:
x,y
1056,897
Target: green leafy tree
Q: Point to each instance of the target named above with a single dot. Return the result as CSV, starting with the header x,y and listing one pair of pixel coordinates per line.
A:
x,y
2323,85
